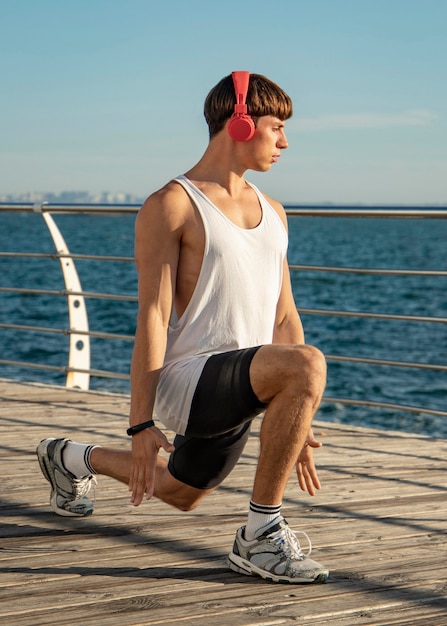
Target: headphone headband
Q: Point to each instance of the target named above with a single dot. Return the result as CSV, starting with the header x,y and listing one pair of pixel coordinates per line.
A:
x,y
241,126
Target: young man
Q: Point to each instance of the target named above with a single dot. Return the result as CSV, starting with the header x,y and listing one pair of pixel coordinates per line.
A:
x,y
218,341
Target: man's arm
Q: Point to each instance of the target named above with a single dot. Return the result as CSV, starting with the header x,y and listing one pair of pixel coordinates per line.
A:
x,y
157,244
289,329
288,326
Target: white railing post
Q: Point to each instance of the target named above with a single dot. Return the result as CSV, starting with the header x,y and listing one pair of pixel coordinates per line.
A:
x,y
79,351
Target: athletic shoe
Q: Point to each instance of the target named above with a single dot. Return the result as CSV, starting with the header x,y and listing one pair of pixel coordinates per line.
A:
x,y
68,493
275,554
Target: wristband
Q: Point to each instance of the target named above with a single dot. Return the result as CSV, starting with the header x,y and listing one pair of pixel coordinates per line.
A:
x,y
133,430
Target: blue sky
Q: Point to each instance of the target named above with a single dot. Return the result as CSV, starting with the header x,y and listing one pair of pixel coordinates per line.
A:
x,y
108,94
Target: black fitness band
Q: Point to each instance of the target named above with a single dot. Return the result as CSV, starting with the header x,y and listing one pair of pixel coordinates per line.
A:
x,y
133,430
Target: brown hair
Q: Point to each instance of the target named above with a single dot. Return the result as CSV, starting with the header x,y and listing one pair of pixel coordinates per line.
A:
x,y
264,97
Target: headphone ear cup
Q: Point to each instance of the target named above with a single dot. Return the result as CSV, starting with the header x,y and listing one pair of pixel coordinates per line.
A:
x,y
241,127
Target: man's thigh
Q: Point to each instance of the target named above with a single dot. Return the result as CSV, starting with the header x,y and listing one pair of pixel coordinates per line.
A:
x,y
204,463
219,424
224,398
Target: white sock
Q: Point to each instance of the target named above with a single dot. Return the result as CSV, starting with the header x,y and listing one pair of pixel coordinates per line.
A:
x,y
76,458
260,515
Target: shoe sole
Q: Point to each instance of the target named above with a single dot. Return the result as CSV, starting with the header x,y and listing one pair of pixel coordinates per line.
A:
x,y
44,462
241,566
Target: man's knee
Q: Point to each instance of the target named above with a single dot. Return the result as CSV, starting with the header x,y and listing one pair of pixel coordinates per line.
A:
x,y
178,494
307,376
186,501
296,369
310,364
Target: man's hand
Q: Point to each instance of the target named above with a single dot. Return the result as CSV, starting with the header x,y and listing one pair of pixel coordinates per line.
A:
x,y
145,447
305,467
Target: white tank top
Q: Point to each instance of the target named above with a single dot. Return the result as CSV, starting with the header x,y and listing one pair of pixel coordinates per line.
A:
x,y
233,305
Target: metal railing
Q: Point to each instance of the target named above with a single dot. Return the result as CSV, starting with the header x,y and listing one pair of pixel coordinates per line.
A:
x,y
78,369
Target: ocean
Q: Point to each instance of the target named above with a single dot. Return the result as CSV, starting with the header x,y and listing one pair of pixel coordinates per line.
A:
x,y
346,242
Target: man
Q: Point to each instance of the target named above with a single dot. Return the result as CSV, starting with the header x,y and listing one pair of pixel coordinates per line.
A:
x,y
218,341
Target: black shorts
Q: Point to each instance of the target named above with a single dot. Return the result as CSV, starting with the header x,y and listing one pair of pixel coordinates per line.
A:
x,y
222,408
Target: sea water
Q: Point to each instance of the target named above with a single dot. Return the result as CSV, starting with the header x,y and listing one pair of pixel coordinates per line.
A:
x,y
347,242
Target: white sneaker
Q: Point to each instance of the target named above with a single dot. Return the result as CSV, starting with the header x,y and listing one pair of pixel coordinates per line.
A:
x,y
68,493
275,554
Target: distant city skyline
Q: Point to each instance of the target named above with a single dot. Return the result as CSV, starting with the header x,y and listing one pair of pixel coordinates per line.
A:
x,y
108,197
73,196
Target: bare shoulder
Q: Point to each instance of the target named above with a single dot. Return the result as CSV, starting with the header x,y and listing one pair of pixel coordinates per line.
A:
x,y
168,207
278,208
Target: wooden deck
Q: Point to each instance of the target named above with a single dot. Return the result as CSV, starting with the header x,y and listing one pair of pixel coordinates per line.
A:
x,y
379,524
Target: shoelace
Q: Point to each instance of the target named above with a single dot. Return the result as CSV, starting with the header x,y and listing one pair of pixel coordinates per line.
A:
x,y
82,487
287,540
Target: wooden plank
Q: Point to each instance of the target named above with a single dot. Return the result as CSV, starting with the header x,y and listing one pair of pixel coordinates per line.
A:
x,y
379,523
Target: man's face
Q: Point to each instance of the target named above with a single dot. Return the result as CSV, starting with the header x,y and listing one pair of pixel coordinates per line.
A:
x,y
268,141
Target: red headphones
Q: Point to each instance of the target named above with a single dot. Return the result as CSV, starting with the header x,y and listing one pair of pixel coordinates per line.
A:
x,y
241,126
